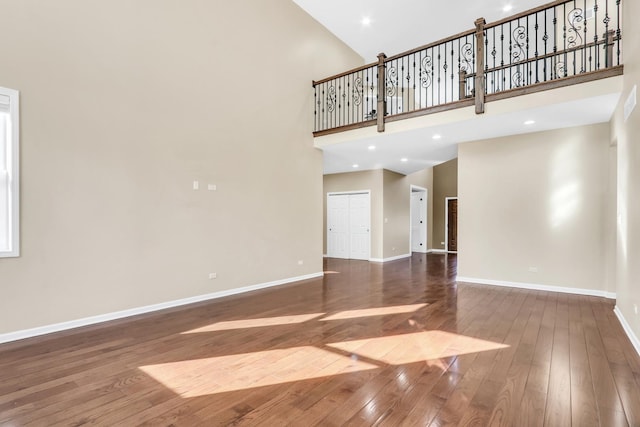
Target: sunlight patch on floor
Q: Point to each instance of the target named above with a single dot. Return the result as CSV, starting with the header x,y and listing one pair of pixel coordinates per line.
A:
x,y
378,311
192,378
255,323
221,374
417,347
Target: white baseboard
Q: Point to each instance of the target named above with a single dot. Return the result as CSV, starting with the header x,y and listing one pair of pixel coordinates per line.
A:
x,y
58,327
536,287
627,328
395,258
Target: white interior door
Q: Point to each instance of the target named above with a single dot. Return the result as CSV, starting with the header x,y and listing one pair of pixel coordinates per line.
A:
x,y
348,226
338,226
359,212
418,221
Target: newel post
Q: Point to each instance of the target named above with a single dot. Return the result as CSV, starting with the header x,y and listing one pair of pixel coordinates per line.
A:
x,y
480,79
462,84
609,37
382,90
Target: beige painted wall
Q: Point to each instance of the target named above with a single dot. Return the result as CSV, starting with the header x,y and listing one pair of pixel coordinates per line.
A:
x,y
357,181
390,206
124,104
445,184
628,180
396,214
535,200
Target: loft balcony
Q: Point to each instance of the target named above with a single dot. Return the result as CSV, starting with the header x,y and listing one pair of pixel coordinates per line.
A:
x,y
556,45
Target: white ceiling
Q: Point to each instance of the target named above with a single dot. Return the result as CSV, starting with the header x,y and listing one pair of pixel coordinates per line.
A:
x,y
422,151
401,25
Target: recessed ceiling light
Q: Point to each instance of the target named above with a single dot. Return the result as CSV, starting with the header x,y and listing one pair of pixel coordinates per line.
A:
x,y
437,136
507,8
404,159
356,165
371,147
529,122
366,21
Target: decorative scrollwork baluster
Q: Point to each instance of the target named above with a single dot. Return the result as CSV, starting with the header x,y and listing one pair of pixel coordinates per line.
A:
x,y
331,99
519,37
466,57
425,72
560,70
357,91
575,18
392,81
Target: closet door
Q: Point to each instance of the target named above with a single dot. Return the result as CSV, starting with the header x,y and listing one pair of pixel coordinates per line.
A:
x,y
338,226
359,226
349,226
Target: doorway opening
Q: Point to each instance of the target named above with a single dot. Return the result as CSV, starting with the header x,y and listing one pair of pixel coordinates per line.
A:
x,y
451,224
418,215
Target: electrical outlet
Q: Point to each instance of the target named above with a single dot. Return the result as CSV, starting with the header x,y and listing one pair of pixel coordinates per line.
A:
x,y
196,185
300,262
442,243
533,269
213,275
212,187
635,308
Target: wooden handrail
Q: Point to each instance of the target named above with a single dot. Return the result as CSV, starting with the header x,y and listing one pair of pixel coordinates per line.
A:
x,y
314,83
430,45
526,13
602,42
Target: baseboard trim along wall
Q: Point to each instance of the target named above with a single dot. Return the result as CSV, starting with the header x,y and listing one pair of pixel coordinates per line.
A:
x,y
627,328
58,327
536,287
395,258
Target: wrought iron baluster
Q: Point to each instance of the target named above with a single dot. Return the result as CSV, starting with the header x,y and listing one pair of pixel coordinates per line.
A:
x,y
536,27
584,53
527,57
494,52
439,73
596,38
618,40
452,71
433,76
564,36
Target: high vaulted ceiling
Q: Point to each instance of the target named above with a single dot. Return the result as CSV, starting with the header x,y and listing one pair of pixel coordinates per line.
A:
x,y
401,25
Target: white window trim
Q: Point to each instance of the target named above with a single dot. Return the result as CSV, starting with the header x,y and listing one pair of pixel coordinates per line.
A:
x,y
14,215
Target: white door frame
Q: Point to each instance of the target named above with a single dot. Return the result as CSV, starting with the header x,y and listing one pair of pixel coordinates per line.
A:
x,y
425,203
338,193
446,224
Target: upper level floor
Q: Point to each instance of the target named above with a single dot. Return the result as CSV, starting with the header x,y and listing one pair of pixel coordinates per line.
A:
x,y
560,44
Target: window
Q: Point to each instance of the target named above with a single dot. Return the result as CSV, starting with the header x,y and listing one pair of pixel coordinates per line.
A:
x,y
9,185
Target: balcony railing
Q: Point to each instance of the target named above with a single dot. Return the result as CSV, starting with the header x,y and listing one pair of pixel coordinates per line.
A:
x,y
561,43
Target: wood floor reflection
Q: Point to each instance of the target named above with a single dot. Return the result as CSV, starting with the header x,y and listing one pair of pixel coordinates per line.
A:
x,y
396,344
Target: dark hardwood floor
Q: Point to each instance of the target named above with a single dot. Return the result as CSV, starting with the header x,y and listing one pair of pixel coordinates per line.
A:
x,y
369,344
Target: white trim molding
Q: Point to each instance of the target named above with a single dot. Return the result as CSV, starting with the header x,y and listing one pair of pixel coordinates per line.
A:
x,y
58,327
536,287
394,258
627,328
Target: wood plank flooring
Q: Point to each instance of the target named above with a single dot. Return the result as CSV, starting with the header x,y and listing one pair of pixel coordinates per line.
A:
x,y
387,345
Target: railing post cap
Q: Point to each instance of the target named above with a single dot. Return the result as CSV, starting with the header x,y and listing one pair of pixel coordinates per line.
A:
x,y
480,21
382,55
